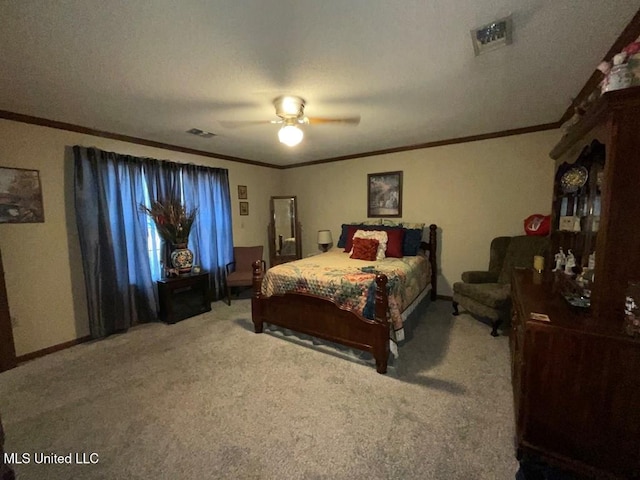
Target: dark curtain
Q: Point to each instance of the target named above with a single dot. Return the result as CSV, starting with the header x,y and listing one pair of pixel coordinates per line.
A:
x,y
115,235
113,240
211,240
163,181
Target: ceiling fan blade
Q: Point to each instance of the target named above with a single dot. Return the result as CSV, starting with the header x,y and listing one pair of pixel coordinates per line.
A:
x,y
346,120
243,123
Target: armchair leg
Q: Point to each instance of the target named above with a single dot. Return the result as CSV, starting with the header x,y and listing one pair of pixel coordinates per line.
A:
x,y
228,295
455,308
495,325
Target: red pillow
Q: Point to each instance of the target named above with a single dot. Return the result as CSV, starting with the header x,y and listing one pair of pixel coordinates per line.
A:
x,y
394,243
537,224
364,249
351,231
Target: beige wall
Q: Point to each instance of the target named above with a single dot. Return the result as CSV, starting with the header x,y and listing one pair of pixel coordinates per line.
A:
x,y
41,260
472,191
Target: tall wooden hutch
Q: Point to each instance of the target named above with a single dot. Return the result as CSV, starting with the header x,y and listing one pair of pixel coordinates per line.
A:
x,y
576,377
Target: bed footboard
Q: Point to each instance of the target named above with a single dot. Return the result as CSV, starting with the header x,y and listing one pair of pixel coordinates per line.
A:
x,y
322,318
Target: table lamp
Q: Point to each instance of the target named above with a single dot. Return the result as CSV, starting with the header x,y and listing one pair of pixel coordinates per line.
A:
x,y
324,239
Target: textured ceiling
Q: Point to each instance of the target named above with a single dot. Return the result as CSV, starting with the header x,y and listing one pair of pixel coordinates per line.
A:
x,y
154,69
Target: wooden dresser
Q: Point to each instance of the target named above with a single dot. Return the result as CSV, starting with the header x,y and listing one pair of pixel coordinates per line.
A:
x,y
576,378
576,384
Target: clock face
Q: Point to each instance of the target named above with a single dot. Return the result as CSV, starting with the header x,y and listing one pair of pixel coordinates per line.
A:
x,y
574,179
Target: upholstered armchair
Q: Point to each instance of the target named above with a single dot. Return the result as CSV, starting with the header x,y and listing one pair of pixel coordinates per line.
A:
x,y
240,271
487,294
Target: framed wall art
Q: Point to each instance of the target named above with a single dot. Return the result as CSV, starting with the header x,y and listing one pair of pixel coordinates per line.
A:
x,y
242,192
244,208
20,196
384,194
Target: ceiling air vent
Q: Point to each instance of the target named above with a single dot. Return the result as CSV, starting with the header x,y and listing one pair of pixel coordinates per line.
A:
x,y
201,133
491,36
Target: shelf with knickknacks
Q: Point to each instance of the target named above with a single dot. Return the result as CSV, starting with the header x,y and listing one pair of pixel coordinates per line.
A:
x,y
574,281
588,346
623,71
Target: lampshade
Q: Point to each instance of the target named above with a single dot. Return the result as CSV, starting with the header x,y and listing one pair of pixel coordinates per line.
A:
x,y
290,135
324,237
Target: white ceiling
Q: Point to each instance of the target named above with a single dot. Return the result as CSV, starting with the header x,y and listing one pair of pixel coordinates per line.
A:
x,y
153,69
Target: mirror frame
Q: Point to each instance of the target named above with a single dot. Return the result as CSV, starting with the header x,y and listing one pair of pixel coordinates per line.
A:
x,y
274,258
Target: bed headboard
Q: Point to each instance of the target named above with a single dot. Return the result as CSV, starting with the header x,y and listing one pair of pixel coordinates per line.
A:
x,y
431,248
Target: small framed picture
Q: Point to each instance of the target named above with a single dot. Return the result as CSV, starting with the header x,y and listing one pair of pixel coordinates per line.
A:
x,y
244,208
242,192
384,194
20,196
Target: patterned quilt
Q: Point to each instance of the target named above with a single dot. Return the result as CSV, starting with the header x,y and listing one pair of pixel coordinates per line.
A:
x,y
351,283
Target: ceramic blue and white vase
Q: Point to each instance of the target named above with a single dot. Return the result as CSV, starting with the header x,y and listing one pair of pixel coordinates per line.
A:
x,y
182,258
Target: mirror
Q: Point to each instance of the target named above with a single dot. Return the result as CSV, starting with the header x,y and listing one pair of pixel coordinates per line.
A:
x,y
285,243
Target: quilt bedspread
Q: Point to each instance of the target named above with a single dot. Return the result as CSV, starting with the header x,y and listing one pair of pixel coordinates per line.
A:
x,y
351,283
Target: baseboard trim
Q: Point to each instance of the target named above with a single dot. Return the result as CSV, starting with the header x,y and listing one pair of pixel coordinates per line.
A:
x,y
71,343
55,348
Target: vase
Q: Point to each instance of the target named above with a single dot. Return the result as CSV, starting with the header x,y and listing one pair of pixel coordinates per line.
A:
x,y
181,258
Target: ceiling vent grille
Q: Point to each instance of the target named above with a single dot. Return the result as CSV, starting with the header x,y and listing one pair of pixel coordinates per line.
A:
x,y
494,35
201,133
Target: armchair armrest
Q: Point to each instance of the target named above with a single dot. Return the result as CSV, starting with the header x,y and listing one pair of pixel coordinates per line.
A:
x,y
479,277
229,265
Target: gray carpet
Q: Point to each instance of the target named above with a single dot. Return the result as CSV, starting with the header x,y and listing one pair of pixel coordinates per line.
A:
x,y
208,399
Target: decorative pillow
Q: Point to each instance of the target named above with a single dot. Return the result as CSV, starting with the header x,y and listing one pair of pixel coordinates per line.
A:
x,y
351,230
377,235
411,242
364,249
413,226
343,235
375,221
390,223
344,238
394,243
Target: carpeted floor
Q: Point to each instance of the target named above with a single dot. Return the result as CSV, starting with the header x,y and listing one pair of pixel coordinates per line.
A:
x,y
208,399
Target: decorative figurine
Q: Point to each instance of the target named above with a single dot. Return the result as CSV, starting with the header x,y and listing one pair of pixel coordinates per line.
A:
x,y
591,265
560,259
632,310
620,76
571,262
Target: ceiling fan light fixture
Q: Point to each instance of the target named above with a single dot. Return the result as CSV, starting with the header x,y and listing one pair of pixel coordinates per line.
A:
x,y
290,135
288,106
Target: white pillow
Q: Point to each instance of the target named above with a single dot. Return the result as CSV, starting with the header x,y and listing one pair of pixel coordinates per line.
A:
x,y
379,235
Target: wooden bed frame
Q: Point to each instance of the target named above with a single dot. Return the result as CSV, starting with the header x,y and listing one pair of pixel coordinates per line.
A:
x,y
323,318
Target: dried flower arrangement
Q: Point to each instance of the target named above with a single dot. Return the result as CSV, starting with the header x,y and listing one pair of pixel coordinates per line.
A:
x,y
172,219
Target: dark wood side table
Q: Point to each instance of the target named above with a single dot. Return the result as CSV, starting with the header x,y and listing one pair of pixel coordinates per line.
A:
x,y
184,296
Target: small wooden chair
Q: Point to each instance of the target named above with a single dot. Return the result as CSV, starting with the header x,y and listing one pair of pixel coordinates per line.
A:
x,y
240,271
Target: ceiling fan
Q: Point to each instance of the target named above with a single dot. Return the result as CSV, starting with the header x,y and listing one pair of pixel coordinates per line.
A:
x,y
290,110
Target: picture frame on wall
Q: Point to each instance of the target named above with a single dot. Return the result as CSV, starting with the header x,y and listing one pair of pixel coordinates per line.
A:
x,y
384,194
20,196
242,192
244,208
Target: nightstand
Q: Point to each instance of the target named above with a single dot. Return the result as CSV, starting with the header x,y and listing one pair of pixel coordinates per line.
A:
x,y
183,297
